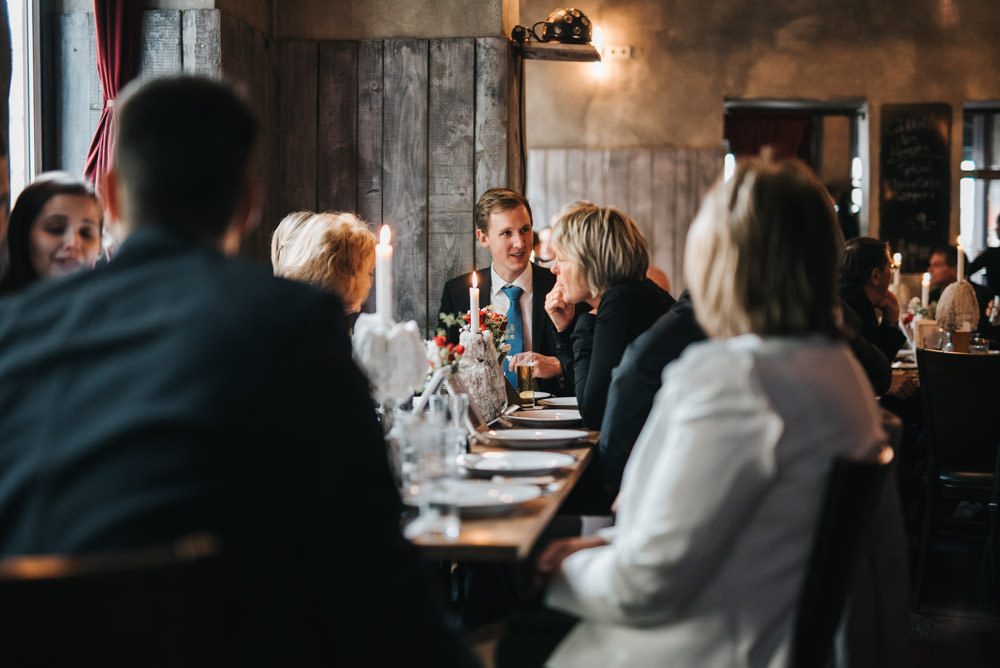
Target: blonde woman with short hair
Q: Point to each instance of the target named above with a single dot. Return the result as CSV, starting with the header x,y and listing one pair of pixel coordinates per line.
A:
x,y
720,495
334,251
601,259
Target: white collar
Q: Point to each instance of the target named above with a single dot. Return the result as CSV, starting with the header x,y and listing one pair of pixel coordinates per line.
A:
x,y
523,281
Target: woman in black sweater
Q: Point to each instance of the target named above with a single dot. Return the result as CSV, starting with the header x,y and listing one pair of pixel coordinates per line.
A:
x,y
601,259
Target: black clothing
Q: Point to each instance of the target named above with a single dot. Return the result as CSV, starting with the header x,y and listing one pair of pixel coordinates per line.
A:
x,y
599,341
176,390
634,384
887,338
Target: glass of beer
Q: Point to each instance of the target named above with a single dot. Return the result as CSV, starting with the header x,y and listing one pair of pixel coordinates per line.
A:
x,y
526,383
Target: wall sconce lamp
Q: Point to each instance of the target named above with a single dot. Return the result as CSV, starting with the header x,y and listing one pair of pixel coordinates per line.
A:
x,y
569,29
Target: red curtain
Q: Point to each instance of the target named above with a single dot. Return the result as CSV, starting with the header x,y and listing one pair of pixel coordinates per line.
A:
x,y
789,133
119,30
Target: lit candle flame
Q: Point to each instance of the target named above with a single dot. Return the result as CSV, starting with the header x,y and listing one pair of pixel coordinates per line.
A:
x,y
475,280
385,235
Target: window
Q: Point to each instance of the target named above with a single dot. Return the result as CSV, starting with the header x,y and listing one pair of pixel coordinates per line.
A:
x,y
25,148
979,196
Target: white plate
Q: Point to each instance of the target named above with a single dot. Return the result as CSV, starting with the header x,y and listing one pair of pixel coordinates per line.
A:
x,y
482,497
547,418
542,395
561,402
534,438
517,463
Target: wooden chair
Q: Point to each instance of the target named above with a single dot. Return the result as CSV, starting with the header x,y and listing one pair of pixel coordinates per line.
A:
x,y
151,607
961,394
853,488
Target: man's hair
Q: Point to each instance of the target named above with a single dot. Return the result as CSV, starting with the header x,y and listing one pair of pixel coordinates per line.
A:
x,y
331,250
182,151
762,253
498,200
605,245
950,255
861,256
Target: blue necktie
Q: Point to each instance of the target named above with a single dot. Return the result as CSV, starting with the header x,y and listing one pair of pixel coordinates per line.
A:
x,y
515,325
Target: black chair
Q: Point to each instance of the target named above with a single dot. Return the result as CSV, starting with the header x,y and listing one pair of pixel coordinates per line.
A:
x,y
853,489
151,607
960,393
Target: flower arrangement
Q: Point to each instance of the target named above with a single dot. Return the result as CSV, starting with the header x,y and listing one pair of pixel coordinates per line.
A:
x,y
917,311
440,354
489,320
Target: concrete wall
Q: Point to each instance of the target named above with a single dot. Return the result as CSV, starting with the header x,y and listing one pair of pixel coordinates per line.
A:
x,y
384,19
691,55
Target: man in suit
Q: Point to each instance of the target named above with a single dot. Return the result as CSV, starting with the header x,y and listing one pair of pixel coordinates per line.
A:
x,y
177,389
943,268
503,225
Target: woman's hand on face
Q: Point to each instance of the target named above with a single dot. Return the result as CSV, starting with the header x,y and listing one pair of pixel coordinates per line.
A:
x,y
560,311
545,366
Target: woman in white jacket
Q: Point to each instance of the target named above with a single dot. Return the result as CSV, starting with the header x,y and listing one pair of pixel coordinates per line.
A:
x,y
720,495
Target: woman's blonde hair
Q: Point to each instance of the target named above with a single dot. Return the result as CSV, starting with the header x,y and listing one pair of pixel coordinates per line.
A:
x,y
762,253
330,250
604,243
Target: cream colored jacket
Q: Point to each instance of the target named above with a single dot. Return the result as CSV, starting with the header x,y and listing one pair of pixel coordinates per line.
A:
x,y
717,508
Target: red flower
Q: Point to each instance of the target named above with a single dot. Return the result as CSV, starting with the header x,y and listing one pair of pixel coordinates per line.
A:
x,y
908,318
459,349
440,340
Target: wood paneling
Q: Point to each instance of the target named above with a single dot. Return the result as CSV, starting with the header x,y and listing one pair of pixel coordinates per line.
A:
x,y
78,110
492,120
661,189
451,180
404,173
294,175
161,43
337,159
200,41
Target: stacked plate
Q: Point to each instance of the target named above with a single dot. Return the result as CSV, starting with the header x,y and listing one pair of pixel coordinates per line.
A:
x,y
480,497
523,463
547,418
533,438
560,402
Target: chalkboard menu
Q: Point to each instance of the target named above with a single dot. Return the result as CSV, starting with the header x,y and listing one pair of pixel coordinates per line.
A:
x,y
915,180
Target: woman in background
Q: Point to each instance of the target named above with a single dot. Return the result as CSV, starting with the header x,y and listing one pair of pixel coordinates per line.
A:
x,y
335,251
720,496
601,259
55,229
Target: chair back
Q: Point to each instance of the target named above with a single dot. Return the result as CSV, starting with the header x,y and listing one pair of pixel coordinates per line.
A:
x,y
150,607
960,393
847,510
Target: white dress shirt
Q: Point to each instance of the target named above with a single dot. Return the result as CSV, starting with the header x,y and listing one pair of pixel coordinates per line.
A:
x,y
501,303
717,508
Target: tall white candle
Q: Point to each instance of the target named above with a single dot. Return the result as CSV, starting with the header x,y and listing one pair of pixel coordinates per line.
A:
x,y
383,275
925,289
961,262
897,260
474,304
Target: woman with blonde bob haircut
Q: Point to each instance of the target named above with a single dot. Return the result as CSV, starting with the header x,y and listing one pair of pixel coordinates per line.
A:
x,y
721,492
335,251
601,259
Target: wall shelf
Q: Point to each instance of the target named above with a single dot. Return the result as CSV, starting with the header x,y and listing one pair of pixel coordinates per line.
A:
x,y
580,53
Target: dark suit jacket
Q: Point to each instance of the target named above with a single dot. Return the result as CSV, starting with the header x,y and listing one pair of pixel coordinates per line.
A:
x,y
455,299
176,390
599,341
885,337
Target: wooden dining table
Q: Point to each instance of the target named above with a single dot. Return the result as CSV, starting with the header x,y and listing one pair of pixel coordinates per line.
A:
x,y
510,538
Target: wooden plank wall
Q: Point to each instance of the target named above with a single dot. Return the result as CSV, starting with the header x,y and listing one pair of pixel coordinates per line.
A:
x,y
403,132
661,189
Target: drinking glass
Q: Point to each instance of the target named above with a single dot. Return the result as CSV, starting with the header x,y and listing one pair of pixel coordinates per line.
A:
x,y
526,383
